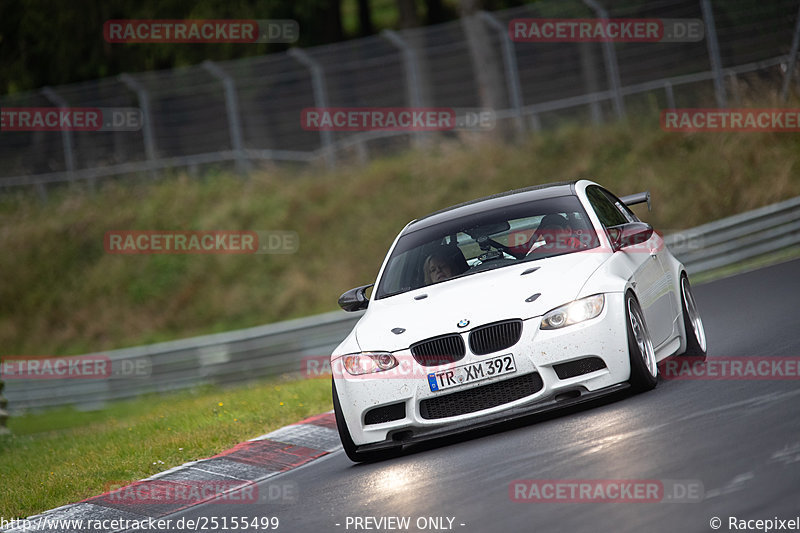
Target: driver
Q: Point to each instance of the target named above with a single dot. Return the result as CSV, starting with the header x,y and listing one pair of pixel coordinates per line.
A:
x,y
554,229
554,233
444,264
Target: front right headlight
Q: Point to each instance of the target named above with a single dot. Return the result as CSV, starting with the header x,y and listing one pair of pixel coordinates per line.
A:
x,y
573,312
358,364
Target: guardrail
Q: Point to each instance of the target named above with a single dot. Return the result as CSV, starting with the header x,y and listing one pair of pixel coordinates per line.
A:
x,y
275,349
3,412
733,239
222,358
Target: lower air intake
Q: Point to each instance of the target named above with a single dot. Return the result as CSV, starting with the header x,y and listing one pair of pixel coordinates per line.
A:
x,y
480,398
579,367
386,413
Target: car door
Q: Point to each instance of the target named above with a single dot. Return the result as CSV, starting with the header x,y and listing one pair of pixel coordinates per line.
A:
x,y
649,278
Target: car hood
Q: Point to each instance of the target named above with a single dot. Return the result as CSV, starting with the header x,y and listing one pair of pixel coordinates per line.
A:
x,y
480,298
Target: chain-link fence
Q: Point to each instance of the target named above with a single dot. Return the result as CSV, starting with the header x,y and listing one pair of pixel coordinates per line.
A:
x,y
246,112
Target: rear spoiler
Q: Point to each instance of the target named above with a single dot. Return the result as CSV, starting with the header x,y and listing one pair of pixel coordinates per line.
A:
x,y
638,198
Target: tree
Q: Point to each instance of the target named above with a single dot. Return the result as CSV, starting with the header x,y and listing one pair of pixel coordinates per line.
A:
x,y
435,12
407,10
365,18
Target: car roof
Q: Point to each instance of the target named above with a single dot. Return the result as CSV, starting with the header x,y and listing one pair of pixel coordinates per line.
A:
x,y
499,200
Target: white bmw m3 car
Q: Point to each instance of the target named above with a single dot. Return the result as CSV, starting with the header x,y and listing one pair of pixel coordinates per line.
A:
x,y
508,305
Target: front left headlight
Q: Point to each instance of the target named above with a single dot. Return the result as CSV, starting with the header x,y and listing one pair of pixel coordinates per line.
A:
x,y
358,364
573,312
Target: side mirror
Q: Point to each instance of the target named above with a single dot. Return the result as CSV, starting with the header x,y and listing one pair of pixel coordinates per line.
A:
x,y
355,299
629,234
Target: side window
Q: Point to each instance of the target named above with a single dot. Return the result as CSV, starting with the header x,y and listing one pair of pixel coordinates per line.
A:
x,y
607,212
624,209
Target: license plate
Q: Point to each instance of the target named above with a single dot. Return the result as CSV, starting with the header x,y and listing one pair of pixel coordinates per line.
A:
x,y
461,375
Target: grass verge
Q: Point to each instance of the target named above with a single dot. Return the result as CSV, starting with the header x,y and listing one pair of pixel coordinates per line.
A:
x,y
63,456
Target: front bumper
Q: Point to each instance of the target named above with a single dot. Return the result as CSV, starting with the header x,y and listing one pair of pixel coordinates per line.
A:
x,y
537,351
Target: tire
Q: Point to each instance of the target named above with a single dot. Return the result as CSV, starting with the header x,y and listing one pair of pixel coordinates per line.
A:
x,y
696,344
644,370
349,446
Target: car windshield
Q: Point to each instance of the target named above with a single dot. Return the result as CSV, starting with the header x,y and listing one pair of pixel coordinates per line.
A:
x,y
491,239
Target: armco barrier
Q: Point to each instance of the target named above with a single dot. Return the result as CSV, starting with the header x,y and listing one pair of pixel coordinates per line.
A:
x,y
222,358
3,412
743,236
275,349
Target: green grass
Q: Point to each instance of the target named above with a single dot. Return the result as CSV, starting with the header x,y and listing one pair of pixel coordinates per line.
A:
x,y
63,456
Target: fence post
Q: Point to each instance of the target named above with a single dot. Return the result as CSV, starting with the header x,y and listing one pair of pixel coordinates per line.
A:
x,y
3,413
66,135
733,81
670,95
232,108
41,189
787,79
610,57
589,73
411,69
485,61
320,98
713,53
147,128
512,71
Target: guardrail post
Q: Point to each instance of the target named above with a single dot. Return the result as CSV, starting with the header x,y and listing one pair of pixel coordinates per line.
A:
x,y
787,78
670,95
147,127
713,53
610,57
3,413
411,70
66,135
512,71
733,81
232,108
362,153
320,99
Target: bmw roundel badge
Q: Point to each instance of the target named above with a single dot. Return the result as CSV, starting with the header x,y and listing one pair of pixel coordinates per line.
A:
x,y
463,323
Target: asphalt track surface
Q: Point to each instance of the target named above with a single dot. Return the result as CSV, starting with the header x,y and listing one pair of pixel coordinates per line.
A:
x,y
740,439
